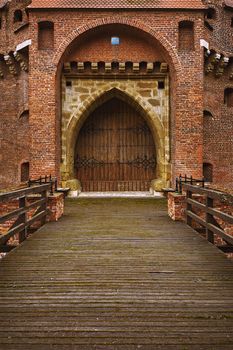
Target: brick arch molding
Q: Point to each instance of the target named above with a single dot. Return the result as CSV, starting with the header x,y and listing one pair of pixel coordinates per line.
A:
x,y
160,136
168,48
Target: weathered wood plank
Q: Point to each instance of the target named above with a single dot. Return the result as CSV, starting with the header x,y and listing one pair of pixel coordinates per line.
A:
x,y
116,274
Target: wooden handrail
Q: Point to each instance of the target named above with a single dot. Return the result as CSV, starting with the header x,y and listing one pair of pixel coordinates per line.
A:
x,y
22,222
181,180
223,197
23,192
209,221
20,211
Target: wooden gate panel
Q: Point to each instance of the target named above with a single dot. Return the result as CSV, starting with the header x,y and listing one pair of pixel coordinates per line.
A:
x,y
115,150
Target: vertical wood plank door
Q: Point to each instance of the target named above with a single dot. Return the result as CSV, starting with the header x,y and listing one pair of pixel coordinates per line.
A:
x,y
115,150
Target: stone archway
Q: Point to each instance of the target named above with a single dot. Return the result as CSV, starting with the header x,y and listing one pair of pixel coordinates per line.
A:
x,y
133,95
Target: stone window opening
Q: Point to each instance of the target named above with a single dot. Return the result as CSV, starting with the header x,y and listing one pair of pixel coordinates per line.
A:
x,y
45,35
232,22
186,36
208,172
210,16
228,97
69,83
18,16
24,172
161,85
0,22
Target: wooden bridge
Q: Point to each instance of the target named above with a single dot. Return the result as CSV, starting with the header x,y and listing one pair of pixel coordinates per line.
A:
x,y
116,274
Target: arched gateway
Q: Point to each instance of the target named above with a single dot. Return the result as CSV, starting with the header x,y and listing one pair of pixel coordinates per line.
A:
x,y
115,112
115,150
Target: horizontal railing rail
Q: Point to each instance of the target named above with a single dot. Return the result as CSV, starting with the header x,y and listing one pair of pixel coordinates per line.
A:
x,y
181,180
29,206
207,215
45,180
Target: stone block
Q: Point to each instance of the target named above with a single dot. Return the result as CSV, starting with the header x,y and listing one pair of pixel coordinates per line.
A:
x,y
163,67
80,66
108,67
136,67
122,67
75,187
94,66
150,67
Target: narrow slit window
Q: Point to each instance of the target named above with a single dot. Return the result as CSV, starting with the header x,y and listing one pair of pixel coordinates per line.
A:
x,y
25,172
24,115
69,84
18,16
161,85
211,13
208,172
207,114
228,97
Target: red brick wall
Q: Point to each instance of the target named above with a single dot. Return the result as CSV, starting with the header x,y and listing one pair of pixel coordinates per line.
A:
x,y
187,104
134,46
156,37
218,130
14,131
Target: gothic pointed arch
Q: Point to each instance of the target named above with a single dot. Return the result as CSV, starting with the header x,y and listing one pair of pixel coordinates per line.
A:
x,y
133,99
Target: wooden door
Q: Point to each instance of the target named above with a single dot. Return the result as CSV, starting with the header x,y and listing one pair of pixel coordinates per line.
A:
x,y
115,150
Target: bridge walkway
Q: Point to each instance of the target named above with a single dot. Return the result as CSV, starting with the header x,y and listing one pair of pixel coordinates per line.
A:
x,y
116,274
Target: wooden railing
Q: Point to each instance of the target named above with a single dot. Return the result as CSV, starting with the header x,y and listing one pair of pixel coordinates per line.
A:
x,y
45,180
188,180
206,215
18,217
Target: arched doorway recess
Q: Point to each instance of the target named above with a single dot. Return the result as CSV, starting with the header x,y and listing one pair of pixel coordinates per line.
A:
x,y
115,150
140,77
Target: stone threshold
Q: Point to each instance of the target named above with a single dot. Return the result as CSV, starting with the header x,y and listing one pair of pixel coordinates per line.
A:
x,y
117,194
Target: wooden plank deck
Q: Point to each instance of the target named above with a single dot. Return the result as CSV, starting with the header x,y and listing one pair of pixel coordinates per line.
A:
x,y
116,274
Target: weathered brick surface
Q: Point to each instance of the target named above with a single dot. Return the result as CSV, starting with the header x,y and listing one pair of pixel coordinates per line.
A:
x,y
218,129
147,35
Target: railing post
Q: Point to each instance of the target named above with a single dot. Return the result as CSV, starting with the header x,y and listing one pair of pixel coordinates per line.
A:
x,y
203,182
177,184
180,184
55,184
209,219
22,219
191,180
51,186
44,207
188,207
